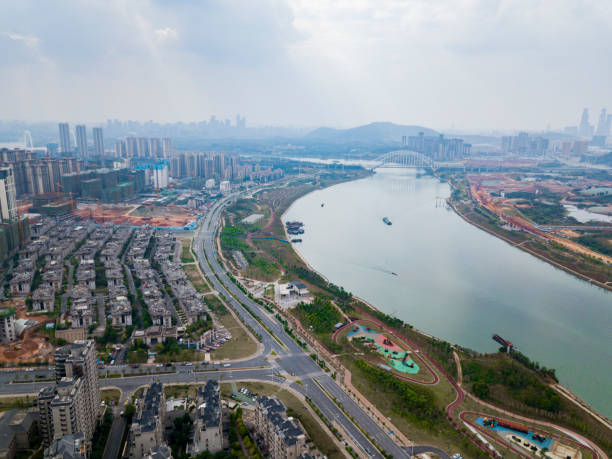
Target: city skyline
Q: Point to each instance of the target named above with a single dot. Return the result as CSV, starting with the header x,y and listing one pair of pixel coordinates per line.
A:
x,y
308,63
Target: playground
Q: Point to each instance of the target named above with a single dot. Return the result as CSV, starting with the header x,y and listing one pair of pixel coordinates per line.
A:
x,y
395,356
542,445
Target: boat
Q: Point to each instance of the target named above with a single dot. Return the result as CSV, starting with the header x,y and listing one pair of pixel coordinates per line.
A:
x,y
395,274
296,240
387,221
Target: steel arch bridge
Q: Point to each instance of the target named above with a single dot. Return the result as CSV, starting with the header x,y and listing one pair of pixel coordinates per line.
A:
x,y
406,159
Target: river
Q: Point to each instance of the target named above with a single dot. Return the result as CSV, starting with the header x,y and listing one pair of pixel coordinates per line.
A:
x,y
454,280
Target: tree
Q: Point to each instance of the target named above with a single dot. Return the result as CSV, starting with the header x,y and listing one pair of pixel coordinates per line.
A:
x,y
129,412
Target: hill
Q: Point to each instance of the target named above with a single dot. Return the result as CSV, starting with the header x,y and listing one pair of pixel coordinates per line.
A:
x,y
369,133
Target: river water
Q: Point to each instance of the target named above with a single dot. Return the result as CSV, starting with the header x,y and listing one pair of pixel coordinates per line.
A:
x,y
454,280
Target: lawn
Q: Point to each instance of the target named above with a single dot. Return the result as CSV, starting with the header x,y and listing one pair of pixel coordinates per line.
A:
x,y
9,403
137,356
186,255
390,404
109,395
198,282
181,391
296,408
261,269
241,345
170,351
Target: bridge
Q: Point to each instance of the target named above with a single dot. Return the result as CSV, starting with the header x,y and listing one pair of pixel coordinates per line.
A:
x,y
406,159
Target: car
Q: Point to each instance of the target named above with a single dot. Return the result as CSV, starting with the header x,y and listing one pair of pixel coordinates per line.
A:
x,y
160,365
227,365
189,364
168,364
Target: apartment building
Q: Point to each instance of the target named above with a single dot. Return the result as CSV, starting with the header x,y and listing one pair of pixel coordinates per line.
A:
x,y
283,436
208,426
63,411
147,428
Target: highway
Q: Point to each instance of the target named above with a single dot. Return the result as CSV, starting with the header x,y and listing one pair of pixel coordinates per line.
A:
x,y
293,359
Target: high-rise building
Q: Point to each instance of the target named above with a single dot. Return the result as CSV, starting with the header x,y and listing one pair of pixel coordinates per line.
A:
x,y
167,147
155,148
34,175
81,138
601,124
64,135
438,148
7,325
98,137
79,360
580,147
120,149
72,405
144,147
8,194
63,411
132,147
585,129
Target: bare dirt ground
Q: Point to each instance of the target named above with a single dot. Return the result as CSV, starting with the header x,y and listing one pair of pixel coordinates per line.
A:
x,y
32,345
138,214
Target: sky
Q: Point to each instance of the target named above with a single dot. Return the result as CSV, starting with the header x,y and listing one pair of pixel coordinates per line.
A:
x,y
464,64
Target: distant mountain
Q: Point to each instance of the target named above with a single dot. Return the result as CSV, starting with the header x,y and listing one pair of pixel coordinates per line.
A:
x,y
370,133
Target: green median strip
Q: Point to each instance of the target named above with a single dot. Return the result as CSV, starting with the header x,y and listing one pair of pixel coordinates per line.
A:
x,y
341,407
256,317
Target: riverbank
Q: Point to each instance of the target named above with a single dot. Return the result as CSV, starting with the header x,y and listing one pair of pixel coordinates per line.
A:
x,y
521,246
334,215
313,211
565,392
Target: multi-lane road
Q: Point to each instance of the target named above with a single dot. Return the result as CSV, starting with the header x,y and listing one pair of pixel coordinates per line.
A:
x,y
290,359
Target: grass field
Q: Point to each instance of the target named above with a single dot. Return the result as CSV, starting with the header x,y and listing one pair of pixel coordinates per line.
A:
x,y
108,395
186,255
241,345
137,356
387,403
9,403
181,391
196,279
296,408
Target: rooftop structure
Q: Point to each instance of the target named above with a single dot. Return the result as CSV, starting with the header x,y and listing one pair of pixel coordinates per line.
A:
x,y
147,428
208,426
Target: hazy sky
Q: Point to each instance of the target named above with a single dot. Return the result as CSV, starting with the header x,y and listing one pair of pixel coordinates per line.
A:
x,y
439,63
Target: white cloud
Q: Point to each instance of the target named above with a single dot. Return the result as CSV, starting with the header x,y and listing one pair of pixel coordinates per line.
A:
x,y
30,41
468,63
165,33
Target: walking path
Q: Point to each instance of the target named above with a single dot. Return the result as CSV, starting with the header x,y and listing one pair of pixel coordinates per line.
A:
x,y
583,441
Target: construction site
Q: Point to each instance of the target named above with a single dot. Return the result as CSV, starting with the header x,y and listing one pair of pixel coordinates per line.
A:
x,y
138,214
32,345
521,203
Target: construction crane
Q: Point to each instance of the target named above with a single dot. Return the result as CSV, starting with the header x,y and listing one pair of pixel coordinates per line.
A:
x,y
100,210
71,205
20,226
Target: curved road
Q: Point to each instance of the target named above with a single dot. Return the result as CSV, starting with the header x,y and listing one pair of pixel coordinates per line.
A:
x,y
316,384
292,358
